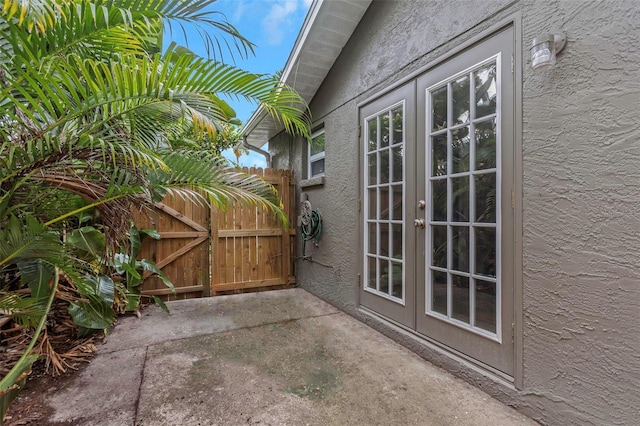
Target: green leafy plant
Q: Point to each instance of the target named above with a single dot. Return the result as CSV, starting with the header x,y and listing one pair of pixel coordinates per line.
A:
x,y
134,271
90,104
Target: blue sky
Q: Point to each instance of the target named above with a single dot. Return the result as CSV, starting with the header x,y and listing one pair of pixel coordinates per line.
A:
x,y
272,25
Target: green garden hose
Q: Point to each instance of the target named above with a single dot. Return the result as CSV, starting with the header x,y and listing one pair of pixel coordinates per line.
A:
x,y
311,229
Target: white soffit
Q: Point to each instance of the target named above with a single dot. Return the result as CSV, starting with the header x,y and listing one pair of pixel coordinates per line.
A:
x,y
327,28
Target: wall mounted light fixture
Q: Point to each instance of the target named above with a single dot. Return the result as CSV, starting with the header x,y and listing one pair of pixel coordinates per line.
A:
x,y
544,50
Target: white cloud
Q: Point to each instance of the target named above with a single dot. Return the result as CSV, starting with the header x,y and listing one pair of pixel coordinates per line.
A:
x,y
307,3
276,21
238,13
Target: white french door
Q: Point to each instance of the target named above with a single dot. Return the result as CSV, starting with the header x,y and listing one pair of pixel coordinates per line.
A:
x,y
438,237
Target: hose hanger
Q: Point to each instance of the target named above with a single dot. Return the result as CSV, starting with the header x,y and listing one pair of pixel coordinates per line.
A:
x,y
311,225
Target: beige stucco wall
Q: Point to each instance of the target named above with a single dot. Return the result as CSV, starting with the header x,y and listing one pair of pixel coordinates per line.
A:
x,y
580,284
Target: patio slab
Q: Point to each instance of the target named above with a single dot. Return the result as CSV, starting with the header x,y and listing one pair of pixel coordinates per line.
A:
x,y
272,358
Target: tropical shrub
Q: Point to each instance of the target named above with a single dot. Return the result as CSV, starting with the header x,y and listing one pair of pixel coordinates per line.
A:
x,y
94,119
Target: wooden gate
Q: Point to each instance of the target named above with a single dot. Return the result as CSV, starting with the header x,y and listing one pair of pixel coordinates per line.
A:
x,y
250,247
205,251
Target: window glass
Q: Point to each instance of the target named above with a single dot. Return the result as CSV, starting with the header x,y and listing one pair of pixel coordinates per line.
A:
x,y
317,167
317,144
464,188
384,213
316,154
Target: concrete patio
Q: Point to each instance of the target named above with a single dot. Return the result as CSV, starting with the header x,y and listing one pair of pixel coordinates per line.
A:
x,y
273,358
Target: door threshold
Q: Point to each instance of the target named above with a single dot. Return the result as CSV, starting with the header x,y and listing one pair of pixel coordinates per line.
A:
x,y
471,363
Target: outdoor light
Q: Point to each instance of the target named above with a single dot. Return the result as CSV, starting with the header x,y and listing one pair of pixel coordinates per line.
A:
x,y
544,50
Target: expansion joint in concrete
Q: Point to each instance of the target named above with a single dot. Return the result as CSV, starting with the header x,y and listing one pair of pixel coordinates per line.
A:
x,y
144,366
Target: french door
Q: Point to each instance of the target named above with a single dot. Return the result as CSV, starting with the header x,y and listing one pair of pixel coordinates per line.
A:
x,y
438,236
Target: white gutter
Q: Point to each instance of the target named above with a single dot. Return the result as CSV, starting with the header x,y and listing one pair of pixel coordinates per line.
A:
x,y
246,145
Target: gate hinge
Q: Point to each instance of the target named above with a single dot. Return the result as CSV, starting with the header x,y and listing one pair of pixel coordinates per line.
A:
x,y
513,64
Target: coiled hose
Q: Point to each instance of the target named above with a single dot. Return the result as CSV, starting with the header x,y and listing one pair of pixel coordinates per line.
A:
x,y
311,230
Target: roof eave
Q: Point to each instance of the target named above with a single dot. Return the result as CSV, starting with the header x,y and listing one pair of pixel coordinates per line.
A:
x,y
327,27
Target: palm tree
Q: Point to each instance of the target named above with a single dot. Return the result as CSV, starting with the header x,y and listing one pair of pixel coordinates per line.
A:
x,y
89,107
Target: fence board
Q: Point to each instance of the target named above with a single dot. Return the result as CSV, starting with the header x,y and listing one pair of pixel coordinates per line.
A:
x,y
207,251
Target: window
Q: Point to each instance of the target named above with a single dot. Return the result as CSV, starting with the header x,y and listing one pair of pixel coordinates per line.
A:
x,y
316,154
464,226
384,207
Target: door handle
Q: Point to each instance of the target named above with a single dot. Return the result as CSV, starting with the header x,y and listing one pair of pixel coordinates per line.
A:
x,y
419,223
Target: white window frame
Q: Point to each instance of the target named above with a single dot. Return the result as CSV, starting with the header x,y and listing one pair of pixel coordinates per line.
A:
x,y
390,221
498,225
319,156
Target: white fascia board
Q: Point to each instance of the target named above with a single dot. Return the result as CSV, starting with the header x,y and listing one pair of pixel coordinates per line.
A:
x,y
260,117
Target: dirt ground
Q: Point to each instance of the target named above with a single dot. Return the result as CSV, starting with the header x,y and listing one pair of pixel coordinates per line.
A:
x,y
31,407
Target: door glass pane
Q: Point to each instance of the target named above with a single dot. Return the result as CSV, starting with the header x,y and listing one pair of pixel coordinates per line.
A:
x,y
396,280
439,108
485,197
460,195
384,203
373,168
460,149
397,155
397,202
385,168
460,95
486,305
372,234
460,298
384,239
439,246
460,248
385,275
372,272
439,155
486,90
485,136
373,203
439,199
485,251
439,292
384,130
396,114
396,241
372,143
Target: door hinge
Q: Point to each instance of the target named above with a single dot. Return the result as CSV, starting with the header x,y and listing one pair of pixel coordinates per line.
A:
x,y
513,198
513,332
359,131
513,64
359,205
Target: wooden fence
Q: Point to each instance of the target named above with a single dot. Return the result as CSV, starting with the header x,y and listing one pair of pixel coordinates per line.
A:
x,y
206,251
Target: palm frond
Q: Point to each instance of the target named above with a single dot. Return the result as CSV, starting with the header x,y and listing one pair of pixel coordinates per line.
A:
x,y
26,239
194,173
24,310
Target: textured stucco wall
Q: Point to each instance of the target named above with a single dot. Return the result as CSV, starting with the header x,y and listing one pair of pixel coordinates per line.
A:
x,y
581,192
582,213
